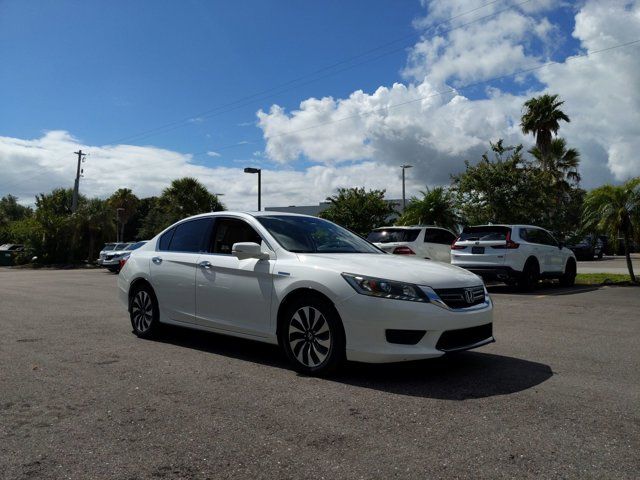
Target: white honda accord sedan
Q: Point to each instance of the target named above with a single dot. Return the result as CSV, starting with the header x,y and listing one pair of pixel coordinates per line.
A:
x,y
321,292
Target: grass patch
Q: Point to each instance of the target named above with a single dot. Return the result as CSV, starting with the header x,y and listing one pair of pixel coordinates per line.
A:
x,y
603,279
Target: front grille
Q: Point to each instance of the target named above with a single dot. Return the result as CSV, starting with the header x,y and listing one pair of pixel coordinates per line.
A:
x,y
404,337
464,337
461,297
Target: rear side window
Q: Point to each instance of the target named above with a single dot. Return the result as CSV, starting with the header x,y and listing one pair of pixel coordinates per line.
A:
x,y
389,235
165,239
485,232
230,231
190,236
536,235
436,235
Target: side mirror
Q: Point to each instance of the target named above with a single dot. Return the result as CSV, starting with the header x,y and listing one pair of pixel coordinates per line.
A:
x,y
244,250
560,245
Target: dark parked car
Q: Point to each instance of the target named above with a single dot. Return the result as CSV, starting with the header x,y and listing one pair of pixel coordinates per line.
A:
x,y
8,252
588,247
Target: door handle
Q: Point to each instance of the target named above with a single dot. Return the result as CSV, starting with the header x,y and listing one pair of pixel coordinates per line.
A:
x,y
205,264
156,260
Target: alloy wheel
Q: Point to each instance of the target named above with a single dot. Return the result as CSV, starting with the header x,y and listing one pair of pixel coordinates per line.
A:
x,y
309,336
142,311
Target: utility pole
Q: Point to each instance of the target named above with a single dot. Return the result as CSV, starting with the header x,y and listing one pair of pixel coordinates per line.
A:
x,y
76,185
404,200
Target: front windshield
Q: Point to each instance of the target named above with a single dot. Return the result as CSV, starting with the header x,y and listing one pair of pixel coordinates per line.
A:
x,y
314,235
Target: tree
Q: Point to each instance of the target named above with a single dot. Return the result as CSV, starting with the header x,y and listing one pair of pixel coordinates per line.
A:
x,y
559,171
60,229
124,199
183,198
97,223
11,211
615,210
560,165
542,117
358,210
505,189
434,208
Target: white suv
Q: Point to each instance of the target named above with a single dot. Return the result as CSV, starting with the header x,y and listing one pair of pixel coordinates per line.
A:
x,y
513,254
432,243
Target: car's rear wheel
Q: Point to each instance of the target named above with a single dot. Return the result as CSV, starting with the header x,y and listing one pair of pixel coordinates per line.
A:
x,y
530,276
568,279
312,336
144,313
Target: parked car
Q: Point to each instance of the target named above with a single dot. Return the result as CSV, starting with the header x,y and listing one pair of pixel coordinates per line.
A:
x,y
587,247
8,252
112,259
432,243
318,290
520,254
109,247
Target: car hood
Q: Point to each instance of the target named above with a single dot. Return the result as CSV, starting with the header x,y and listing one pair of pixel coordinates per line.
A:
x,y
394,267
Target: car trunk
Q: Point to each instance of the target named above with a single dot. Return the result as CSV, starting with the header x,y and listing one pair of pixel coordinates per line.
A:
x,y
484,245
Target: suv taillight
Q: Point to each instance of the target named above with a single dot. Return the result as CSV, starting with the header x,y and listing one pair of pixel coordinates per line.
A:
x,y
457,247
511,243
403,251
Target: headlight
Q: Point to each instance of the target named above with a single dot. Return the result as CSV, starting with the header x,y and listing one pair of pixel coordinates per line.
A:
x,y
379,287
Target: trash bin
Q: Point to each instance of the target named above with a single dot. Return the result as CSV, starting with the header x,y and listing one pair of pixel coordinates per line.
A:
x,y
6,258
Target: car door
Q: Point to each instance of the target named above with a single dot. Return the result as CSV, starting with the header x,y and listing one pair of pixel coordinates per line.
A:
x,y
444,239
173,268
555,255
539,244
233,294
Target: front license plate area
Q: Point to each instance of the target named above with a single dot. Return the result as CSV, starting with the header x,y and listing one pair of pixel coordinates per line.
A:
x,y
477,250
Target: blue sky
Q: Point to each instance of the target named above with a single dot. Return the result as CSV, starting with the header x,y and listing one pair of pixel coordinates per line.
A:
x,y
96,75
109,70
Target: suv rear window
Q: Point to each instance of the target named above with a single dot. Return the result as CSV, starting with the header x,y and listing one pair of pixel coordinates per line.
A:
x,y
488,232
389,235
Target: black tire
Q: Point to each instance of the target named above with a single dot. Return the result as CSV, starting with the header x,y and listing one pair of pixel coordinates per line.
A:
x,y
600,255
144,312
568,279
312,337
529,277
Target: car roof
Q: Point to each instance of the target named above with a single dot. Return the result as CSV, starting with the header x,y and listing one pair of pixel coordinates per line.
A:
x,y
409,227
506,226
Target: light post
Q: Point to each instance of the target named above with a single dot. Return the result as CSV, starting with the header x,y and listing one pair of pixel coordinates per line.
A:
x,y
404,200
259,172
118,235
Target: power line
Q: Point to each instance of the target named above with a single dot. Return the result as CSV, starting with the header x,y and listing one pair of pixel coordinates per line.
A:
x,y
277,90
296,82
418,99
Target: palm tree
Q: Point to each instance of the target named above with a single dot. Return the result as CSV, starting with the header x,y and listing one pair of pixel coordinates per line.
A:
x,y
125,199
542,118
434,208
98,222
615,210
560,165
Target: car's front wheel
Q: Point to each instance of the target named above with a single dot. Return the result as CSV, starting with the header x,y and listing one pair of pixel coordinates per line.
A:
x,y
144,313
568,279
312,336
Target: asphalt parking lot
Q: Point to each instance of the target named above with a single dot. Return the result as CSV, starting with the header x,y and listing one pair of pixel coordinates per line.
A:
x,y
557,396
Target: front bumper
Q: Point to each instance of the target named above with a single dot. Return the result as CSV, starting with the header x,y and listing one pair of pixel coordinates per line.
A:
x,y
367,321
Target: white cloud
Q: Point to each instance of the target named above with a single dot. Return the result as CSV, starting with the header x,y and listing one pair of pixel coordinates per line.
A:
x,y
38,165
213,154
436,131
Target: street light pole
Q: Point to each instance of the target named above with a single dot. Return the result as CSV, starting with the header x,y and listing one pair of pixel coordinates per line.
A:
x,y
118,234
259,172
404,200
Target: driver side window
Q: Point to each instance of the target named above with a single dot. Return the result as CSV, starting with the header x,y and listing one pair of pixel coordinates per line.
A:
x,y
229,231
